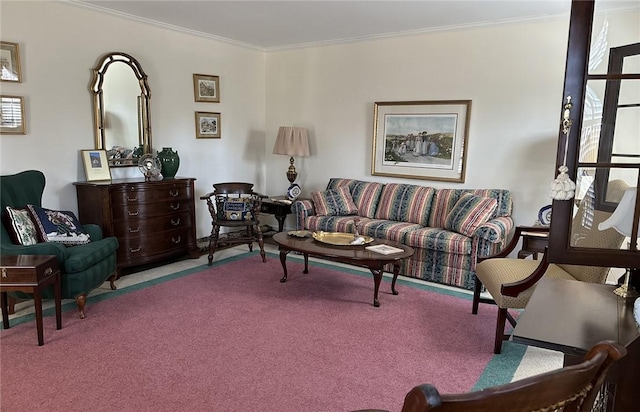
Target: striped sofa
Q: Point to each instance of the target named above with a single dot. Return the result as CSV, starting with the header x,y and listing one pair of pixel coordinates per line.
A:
x,y
448,228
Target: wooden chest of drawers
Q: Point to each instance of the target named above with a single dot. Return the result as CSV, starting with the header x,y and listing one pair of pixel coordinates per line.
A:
x,y
152,220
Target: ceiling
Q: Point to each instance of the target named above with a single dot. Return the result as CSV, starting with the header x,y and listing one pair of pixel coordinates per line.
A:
x,y
272,25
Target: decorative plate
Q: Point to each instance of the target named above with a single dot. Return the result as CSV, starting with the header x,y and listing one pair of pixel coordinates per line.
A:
x,y
299,233
150,166
293,191
340,238
544,215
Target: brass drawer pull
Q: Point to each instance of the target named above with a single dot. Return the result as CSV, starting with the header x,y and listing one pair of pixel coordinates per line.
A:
x,y
132,199
136,230
132,188
174,192
4,273
175,206
48,271
136,213
135,250
176,241
175,222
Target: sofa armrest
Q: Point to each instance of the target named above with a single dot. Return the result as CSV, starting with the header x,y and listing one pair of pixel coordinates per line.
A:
x,y
496,230
302,209
44,248
94,231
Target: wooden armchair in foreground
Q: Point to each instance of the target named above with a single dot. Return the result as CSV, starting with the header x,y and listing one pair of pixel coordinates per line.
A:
x,y
569,389
234,205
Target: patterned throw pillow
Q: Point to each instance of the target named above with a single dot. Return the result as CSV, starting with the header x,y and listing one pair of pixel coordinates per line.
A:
x,y
238,208
334,202
58,226
20,226
469,213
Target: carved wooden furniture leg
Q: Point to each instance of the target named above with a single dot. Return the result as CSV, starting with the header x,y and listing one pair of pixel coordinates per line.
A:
x,y
396,272
283,261
261,244
112,280
80,301
377,277
213,243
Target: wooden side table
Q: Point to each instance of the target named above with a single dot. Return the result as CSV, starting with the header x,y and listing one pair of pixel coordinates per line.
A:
x,y
30,274
273,205
532,244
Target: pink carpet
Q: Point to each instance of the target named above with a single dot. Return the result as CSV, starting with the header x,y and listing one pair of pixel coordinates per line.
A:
x,y
233,338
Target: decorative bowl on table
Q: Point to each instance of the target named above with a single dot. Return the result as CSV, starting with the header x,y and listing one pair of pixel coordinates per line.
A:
x,y
341,239
299,233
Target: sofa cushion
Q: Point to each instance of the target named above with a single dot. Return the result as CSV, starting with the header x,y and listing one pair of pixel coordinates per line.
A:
x,y
405,203
365,194
502,197
386,229
83,257
20,226
443,202
469,212
440,240
334,202
58,226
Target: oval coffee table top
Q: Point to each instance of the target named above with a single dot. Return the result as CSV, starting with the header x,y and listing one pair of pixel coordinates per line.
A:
x,y
352,252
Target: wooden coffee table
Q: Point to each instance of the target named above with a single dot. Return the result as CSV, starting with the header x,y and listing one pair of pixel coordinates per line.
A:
x,y
352,255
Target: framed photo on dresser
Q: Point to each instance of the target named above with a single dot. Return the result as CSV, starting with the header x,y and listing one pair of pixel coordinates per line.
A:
x,y
96,166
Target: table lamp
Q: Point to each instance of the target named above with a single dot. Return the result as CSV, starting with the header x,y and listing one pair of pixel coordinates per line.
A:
x,y
622,221
292,141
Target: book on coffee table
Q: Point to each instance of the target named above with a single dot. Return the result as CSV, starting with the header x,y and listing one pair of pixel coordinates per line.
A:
x,y
384,249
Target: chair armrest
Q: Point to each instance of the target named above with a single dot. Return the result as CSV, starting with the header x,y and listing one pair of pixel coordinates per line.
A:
x,y
94,231
495,230
514,240
514,289
207,196
302,209
43,248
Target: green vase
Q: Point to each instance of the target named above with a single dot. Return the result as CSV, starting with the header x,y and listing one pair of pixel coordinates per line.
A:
x,y
170,162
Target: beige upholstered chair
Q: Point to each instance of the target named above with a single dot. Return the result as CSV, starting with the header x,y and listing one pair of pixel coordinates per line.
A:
x,y
511,282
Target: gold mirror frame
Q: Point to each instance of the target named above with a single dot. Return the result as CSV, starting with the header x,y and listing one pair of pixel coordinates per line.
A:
x,y
143,101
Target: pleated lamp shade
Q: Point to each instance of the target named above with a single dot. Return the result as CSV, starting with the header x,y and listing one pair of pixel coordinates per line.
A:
x,y
292,141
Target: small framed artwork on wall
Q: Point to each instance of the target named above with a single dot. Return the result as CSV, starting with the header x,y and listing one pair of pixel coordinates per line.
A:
x,y
10,62
96,166
206,88
208,125
12,115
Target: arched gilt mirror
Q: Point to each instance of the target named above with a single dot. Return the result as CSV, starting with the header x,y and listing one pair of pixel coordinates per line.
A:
x,y
121,99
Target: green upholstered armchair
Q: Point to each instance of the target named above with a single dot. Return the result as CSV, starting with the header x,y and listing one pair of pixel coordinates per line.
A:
x,y
83,267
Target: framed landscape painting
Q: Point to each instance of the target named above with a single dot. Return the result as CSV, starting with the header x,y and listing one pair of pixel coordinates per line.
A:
x,y
421,139
206,88
207,125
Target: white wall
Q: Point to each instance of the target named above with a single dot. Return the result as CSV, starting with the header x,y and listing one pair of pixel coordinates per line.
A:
x,y
512,73
61,43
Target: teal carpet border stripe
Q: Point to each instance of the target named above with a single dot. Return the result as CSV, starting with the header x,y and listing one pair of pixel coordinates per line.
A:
x,y
500,369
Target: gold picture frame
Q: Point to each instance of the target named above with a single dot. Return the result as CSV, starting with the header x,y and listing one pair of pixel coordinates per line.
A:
x,y
208,125
10,62
206,88
12,120
96,165
421,139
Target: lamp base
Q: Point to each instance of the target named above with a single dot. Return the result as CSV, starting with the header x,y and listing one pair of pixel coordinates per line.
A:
x,y
626,291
